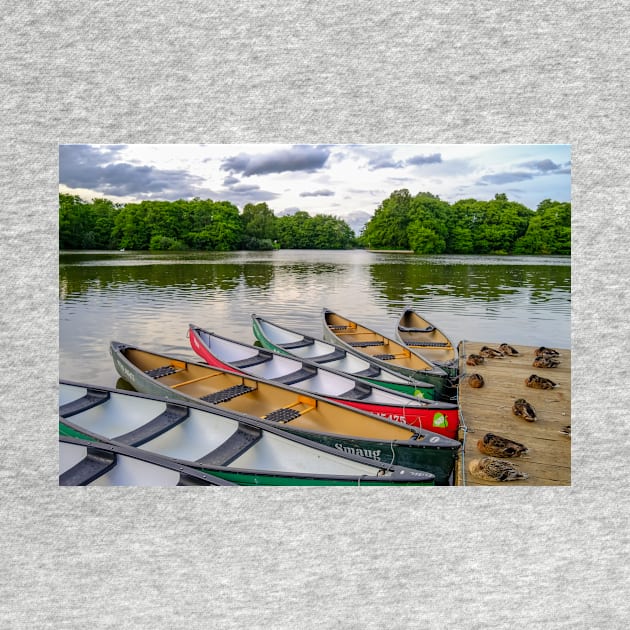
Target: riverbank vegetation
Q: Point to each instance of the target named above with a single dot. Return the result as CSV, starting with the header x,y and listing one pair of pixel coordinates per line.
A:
x,y
422,223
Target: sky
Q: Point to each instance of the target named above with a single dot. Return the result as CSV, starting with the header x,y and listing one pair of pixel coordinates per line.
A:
x,y
346,180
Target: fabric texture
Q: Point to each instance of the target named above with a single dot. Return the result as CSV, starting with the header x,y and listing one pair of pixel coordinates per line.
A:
x,y
303,72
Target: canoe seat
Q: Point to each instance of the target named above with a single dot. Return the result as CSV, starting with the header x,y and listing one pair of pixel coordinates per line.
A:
x,y
297,376
337,353
373,370
332,327
224,395
384,357
365,344
95,464
302,343
239,442
93,398
170,417
410,329
257,359
282,415
428,344
165,370
358,392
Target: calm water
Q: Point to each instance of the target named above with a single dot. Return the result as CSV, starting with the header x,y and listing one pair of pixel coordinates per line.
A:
x,y
148,299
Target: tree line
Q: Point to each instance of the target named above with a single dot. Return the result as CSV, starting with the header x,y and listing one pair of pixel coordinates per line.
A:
x,y
422,223
427,225
197,224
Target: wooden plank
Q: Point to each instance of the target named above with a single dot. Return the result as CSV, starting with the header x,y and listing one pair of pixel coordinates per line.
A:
x,y
489,410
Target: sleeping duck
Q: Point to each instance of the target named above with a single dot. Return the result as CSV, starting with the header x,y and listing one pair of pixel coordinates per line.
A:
x,y
523,409
492,469
549,352
544,361
539,382
566,430
474,359
509,350
491,353
498,446
475,380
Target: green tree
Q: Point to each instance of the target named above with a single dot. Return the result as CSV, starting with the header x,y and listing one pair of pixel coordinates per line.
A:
x,y
259,226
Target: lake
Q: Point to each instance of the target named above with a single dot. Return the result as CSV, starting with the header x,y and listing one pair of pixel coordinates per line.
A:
x,y
148,299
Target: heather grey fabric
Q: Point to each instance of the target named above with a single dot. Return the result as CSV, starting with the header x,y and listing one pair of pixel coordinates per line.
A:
x,y
368,72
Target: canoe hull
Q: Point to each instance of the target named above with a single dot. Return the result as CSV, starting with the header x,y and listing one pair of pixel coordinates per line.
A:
x,y
427,452
440,418
93,416
445,387
427,341
387,378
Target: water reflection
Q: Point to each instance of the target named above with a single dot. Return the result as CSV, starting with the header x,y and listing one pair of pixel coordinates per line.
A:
x,y
149,299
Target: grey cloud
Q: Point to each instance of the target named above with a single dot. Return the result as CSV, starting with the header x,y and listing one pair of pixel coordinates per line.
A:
x,y
384,161
298,158
543,166
94,168
230,180
418,160
318,193
504,178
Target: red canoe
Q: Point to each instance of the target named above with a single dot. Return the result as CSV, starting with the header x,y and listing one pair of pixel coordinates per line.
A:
x,y
228,354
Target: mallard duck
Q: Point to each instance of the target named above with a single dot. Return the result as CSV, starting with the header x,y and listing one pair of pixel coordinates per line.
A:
x,y
539,382
542,351
492,469
545,362
476,380
498,446
523,409
491,353
509,350
566,430
474,359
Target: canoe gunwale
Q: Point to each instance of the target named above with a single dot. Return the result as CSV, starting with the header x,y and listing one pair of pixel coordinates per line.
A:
x,y
375,373
397,474
103,447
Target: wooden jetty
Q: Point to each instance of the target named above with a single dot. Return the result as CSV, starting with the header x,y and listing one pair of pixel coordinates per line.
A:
x,y
489,410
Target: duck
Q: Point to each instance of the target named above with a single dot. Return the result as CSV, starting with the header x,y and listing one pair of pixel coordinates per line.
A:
x,y
542,351
543,361
509,350
474,359
566,430
491,469
490,353
539,382
499,446
523,409
476,380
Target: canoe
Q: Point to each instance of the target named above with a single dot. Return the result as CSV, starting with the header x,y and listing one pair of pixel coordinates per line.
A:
x,y
228,354
223,445
294,344
425,339
386,352
309,416
83,462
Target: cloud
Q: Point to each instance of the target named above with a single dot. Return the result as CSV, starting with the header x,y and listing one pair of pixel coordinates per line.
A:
x,y
418,160
505,178
384,161
96,168
298,158
229,180
318,193
542,166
